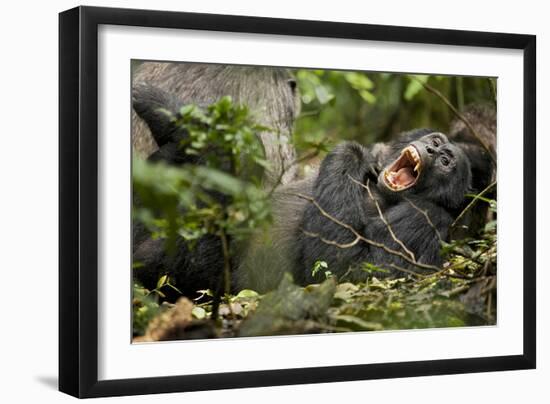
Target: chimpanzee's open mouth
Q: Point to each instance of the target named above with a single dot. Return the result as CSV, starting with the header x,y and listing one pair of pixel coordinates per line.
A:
x,y
403,173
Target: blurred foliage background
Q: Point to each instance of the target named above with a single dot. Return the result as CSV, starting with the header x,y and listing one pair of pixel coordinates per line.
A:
x,y
373,107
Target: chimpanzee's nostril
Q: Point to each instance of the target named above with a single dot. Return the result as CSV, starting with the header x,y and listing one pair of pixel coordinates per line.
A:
x,y
429,150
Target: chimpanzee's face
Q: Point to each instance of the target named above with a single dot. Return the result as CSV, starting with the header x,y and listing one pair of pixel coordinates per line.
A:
x,y
431,167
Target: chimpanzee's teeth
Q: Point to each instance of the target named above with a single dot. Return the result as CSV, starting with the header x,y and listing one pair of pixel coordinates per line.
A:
x,y
416,158
389,180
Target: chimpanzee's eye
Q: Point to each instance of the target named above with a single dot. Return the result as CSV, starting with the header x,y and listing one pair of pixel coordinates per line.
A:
x,y
445,160
435,142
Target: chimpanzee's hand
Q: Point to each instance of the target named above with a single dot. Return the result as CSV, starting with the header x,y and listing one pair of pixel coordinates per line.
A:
x,y
373,171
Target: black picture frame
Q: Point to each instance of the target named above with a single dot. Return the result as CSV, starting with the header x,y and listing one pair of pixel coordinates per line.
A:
x,y
78,201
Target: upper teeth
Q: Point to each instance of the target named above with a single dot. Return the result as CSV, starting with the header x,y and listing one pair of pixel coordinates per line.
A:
x,y
414,154
389,175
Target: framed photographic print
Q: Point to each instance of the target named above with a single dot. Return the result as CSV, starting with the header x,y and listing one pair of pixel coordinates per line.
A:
x,y
251,201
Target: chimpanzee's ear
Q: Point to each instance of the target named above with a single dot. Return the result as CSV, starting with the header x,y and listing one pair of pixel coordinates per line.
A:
x,y
157,108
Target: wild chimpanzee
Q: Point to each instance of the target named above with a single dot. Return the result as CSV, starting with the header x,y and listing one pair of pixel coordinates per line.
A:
x,y
400,202
417,192
414,193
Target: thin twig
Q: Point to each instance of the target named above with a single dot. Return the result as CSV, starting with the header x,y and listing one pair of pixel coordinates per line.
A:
x,y
459,116
425,213
383,218
366,240
408,271
474,200
331,242
458,290
349,271
464,254
492,285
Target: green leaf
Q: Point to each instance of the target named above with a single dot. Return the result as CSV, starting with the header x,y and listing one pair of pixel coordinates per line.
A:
x,y
317,266
367,96
323,95
162,280
198,312
359,81
414,86
174,288
247,293
187,110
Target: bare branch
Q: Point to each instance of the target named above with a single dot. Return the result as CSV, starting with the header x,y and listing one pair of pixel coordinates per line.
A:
x,y
407,271
330,242
459,116
383,218
425,213
492,284
366,240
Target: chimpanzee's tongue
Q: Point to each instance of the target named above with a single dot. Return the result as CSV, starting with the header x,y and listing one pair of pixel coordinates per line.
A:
x,y
404,176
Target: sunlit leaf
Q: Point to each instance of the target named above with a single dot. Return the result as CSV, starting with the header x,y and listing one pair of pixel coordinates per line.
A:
x,y
414,86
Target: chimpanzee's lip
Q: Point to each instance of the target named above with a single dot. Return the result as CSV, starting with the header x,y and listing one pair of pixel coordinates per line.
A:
x,y
404,172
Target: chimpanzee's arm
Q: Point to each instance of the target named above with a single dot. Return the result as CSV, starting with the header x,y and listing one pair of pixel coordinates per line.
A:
x,y
154,106
343,199
335,189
